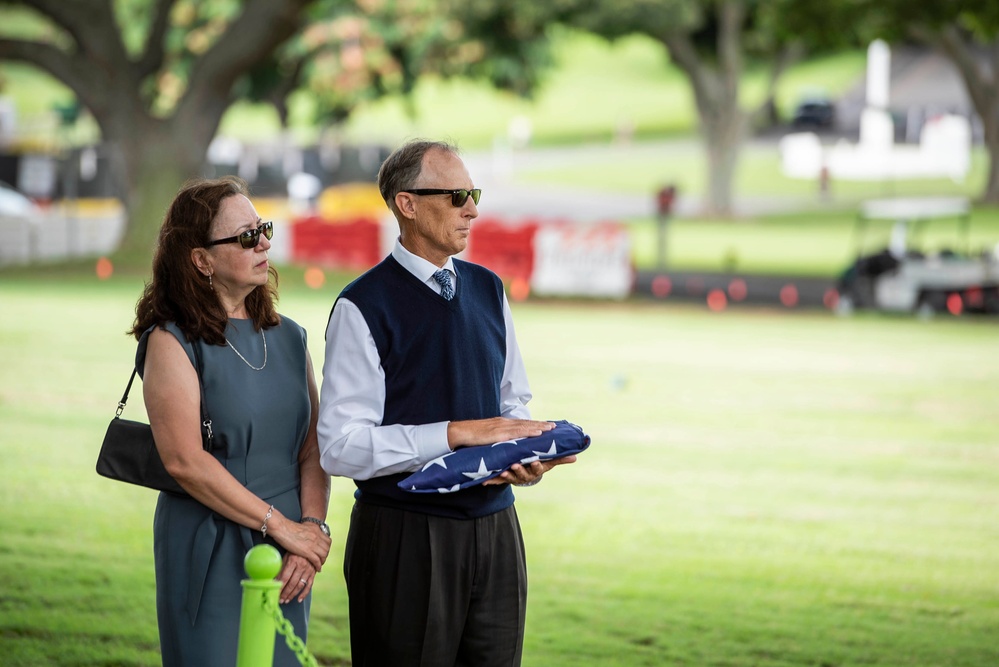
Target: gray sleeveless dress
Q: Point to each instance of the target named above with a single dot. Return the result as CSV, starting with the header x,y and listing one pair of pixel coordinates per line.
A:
x,y
260,419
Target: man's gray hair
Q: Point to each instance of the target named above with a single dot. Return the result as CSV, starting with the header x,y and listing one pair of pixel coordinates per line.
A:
x,y
401,169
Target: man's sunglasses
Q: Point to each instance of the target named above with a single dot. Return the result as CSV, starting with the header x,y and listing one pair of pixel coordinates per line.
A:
x,y
250,238
458,197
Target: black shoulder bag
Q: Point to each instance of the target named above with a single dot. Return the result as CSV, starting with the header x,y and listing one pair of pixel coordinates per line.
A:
x,y
129,453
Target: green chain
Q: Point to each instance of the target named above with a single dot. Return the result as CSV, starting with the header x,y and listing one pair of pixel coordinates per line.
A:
x,y
285,628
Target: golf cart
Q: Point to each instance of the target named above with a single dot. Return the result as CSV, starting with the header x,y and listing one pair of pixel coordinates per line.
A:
x,y
903,278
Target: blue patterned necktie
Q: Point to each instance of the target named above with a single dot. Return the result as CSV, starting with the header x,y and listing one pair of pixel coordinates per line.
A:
x,y
443,279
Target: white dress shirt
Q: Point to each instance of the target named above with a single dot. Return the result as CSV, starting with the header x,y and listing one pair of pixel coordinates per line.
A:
x,y
352,441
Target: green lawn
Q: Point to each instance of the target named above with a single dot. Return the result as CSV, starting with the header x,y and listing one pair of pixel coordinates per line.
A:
x,y
781,226
763,489
642,168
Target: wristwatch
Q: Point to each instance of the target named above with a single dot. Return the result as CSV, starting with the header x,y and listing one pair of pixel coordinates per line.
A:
x,y
319,522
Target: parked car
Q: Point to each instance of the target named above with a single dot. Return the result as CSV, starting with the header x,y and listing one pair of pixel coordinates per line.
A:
x,y
814,113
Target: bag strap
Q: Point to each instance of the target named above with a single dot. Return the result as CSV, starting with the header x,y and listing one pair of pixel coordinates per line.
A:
x,y
124,397
206,421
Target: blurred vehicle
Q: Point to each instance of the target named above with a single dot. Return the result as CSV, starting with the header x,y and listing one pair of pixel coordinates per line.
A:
x,y
904,278
13,203
814,113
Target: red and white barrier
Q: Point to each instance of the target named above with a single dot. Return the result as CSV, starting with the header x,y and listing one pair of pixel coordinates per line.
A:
x,y
582,260
555,258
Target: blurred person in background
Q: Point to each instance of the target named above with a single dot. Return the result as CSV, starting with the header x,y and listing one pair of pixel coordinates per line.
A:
x,y
213,288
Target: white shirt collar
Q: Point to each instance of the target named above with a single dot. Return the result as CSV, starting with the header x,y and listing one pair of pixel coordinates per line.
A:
x,y
416,265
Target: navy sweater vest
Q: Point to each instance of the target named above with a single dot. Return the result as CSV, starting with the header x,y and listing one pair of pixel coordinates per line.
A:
x,y
443,361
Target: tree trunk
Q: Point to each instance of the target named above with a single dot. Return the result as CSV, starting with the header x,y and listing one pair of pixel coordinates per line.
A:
x,y
152,186
154,156
716,93
723,130
154,164
990,127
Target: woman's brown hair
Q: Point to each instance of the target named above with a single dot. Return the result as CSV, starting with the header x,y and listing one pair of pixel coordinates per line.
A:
x,y
178,292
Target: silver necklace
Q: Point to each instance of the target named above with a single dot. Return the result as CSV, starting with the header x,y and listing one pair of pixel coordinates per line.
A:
x,y
244,358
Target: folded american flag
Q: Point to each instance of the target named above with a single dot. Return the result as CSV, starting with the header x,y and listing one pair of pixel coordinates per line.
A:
x,y
469,466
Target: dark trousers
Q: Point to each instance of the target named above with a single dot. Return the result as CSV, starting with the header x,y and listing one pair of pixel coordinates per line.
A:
x,y
435,592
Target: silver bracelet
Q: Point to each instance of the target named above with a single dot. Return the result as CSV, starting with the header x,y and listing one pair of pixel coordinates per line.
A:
x,y
263,528
530,483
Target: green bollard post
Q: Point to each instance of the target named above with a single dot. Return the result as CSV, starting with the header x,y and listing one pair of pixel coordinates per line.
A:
x,y
256,627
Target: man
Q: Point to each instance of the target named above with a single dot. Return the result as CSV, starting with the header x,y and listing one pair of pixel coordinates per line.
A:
x,y
421,358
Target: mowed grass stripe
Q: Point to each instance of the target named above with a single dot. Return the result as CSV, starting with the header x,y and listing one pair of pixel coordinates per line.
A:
x,y
764,488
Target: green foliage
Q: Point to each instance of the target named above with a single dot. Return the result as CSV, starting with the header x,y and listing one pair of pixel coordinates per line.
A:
x,y
383,48
23,22
763,489
627,82
653,18
133,20
626,86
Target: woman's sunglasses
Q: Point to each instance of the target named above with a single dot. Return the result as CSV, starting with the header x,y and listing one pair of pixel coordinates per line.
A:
x,y
458,197
250,238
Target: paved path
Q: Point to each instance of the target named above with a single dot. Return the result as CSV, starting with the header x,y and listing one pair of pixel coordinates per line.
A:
x,y
506,195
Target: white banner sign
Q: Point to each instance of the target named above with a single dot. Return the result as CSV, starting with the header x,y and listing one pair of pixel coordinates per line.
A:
x,y
582,260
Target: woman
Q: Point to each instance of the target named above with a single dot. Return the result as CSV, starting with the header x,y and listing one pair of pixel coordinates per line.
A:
x,y
262,481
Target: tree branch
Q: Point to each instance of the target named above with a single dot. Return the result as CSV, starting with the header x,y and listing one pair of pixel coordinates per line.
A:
x,y
248,40
995,57
58,63
63,14
787,56
92,26
731,15
278,96
261,28
960,48
955,45
152,56
684,54
81,19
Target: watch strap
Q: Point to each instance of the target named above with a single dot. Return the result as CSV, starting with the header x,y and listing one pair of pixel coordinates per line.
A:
x,y
318,522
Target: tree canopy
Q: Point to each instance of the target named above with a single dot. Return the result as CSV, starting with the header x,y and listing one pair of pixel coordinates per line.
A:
x,y
157,75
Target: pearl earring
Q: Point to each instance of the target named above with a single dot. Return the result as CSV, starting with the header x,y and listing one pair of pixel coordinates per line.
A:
x,y
210,281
